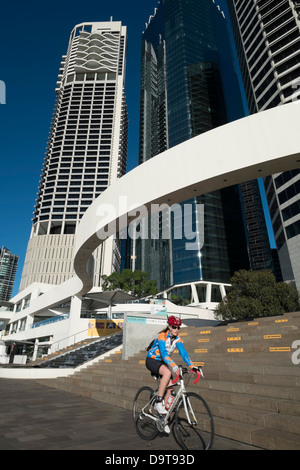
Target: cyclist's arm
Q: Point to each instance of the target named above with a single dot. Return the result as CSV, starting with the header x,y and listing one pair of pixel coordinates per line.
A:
x,y
184,354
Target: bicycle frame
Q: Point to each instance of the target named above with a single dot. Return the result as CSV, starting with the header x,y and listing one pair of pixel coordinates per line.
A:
x,y
192,421
180,394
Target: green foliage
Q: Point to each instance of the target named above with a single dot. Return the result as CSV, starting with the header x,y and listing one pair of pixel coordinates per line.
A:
x,y
256,294
179,300
136,283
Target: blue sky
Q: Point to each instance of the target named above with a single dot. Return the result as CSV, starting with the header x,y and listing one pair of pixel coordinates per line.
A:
x,y
33,37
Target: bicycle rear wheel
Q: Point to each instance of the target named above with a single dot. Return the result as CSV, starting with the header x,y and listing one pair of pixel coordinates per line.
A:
x,y
143,402
194,426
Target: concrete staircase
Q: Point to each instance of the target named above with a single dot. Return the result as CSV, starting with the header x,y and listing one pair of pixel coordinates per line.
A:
x,y
80,353
251,383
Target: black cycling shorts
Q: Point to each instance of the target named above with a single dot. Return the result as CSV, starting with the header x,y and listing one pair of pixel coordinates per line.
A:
x,y
154,365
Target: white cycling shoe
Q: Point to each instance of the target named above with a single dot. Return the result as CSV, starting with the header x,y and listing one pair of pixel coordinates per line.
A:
x,y
160,408
167,429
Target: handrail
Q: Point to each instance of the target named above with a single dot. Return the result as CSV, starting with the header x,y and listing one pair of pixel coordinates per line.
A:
x,y
66,338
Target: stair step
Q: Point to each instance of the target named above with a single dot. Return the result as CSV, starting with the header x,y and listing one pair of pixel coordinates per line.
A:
x,y
249,416
254,389
241,432
274,439
254,395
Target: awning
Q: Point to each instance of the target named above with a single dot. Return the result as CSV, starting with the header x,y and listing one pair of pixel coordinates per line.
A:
x,y
109,298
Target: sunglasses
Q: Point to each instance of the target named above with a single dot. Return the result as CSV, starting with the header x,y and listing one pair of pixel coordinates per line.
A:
x,y
175,327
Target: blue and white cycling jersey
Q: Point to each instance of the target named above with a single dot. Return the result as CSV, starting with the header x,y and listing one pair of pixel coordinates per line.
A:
x,y
163,347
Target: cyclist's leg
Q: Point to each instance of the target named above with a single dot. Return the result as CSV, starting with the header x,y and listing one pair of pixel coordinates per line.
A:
x,y
165,380
161,369
168,392
165,374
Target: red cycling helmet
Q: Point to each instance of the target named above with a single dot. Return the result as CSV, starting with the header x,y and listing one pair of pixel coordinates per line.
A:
x,y
173,321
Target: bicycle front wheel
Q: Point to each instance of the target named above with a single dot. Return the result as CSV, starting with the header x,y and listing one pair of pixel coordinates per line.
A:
x,y
143,418
194,426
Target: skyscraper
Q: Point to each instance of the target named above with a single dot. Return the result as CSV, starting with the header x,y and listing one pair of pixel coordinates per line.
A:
x,y
267,36
189,86
86,151
8,269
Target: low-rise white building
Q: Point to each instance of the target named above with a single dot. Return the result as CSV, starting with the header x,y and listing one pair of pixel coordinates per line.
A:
x,y
33,331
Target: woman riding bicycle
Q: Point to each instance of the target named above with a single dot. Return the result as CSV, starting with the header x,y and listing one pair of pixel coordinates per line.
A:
x,y
159,362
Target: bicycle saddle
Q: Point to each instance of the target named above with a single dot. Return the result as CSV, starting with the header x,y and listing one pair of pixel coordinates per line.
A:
x,y
155,376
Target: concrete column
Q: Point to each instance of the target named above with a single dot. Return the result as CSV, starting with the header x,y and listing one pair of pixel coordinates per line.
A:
x,y
35,349
208,292
75,312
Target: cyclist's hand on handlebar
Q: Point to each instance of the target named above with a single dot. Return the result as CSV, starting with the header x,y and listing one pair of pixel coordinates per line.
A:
x,y
197,371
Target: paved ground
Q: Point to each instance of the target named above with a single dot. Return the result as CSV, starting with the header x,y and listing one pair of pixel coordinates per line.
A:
x,y
36,417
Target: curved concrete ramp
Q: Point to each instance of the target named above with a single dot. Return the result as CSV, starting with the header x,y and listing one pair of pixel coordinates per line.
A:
x,y
259,145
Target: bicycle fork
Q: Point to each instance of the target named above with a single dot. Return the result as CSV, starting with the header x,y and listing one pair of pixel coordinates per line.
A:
x,y
189,411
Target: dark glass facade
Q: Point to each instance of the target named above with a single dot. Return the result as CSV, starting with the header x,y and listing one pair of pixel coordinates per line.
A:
x,y
189,86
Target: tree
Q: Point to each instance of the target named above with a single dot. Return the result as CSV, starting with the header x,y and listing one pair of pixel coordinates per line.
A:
x,y
256,294
134,282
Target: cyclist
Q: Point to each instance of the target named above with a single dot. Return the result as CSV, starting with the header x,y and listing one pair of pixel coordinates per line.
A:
x,y
159,362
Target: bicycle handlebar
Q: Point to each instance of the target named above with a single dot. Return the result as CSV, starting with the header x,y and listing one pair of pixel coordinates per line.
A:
x,y
175,380
198,377
186,371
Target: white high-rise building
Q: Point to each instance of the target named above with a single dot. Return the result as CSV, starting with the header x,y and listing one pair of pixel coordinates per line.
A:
x,y
86,152
267,36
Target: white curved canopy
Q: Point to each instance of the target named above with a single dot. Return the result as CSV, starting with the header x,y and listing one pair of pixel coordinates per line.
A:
x,y
252,147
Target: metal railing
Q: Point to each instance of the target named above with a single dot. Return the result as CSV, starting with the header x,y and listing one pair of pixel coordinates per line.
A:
x,y
50,320
66,342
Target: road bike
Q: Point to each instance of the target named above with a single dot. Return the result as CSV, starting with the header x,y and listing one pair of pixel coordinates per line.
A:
x,y
189,415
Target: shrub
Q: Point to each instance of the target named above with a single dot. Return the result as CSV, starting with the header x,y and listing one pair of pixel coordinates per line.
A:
x,y
256,294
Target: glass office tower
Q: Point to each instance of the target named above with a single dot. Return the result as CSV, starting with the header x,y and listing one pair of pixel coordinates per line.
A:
x,y
86,152
267,36
8,269
189,86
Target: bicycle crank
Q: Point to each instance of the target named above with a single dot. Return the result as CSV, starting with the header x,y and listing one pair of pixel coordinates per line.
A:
x,y
160,424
